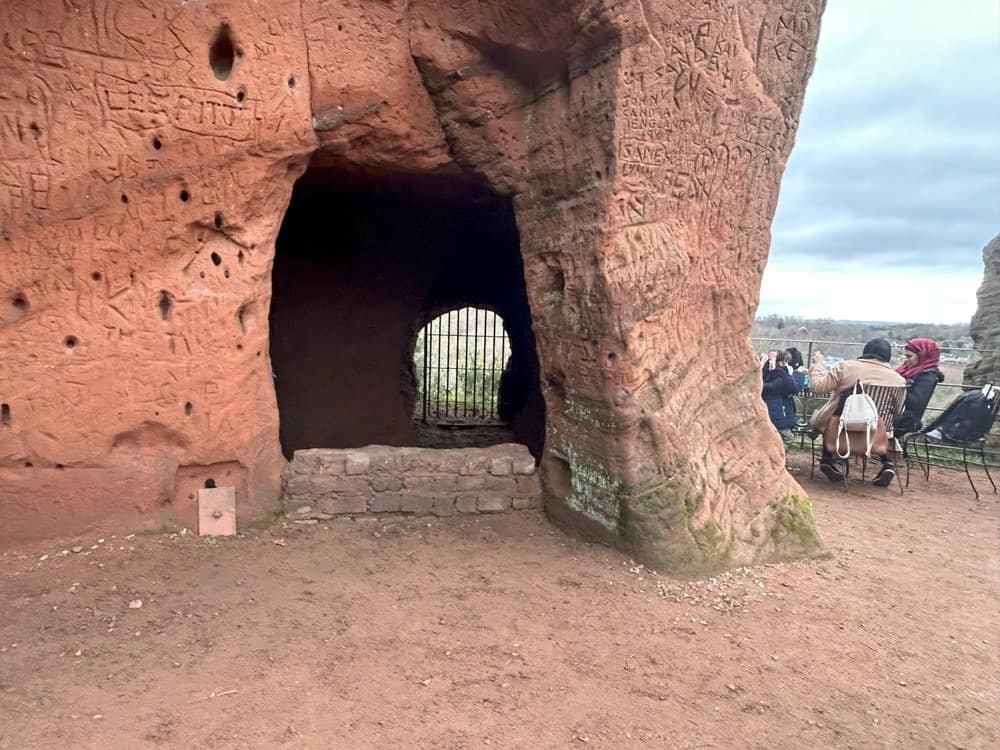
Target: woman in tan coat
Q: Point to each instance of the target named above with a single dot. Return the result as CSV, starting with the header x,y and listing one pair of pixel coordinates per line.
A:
x,y
871,368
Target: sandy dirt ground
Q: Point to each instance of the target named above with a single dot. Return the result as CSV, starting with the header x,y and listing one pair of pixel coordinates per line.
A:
x,y
502,632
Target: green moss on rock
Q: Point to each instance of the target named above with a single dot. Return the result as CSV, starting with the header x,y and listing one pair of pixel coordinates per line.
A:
x,y
794,530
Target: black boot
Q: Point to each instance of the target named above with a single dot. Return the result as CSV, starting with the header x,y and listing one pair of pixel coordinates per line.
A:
x,y
885,474
829,468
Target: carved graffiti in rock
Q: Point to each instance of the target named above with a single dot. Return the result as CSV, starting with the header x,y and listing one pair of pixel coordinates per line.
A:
x,y
627,155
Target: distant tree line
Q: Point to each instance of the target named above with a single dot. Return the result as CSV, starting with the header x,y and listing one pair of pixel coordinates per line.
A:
x,y
954,335
779,331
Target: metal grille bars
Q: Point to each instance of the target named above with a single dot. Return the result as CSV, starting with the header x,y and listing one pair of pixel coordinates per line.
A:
x,y
459,359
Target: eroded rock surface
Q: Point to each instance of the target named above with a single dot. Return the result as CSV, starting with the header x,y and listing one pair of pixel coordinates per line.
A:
x,y
985,328
149,151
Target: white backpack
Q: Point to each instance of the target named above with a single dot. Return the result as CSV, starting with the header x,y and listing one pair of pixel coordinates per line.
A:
x,y
859,413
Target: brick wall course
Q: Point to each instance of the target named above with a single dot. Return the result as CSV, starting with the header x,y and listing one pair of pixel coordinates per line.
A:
x,y
321,483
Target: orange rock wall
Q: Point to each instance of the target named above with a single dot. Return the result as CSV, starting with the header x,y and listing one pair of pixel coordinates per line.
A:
x,y
141,190
140,196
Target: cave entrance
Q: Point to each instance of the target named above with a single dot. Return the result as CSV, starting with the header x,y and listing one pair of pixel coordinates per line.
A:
x,y
369,273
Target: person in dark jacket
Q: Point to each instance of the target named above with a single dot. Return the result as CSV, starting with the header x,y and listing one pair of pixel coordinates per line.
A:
x,y
920,368
796,366
779,387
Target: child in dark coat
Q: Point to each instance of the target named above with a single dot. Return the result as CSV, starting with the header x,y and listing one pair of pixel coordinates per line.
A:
x,y
779,387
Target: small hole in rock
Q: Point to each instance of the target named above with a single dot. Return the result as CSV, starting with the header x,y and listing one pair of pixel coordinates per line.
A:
x,y
216,258
28,464
201,275
20,302
218,220
209,484
5,415
166,304
71,342
241,95
124,198
239,347
35,130
188,408
291,82
185,196
96,275
557,382
222,53
60,467
612,356
559,279
240,257
157,144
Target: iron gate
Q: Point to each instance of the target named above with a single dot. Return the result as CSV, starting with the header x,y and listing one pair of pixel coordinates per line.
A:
x,y
459,359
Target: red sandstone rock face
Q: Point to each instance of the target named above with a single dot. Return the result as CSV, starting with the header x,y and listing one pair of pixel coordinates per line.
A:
x,y
985,327
148,157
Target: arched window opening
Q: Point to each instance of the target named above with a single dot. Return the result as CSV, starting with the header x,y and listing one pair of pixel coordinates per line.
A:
x,y
461,359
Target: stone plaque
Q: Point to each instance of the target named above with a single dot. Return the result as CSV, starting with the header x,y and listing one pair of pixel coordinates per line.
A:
x,y
217,511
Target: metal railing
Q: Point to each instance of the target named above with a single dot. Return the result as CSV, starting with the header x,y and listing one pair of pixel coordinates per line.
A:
x,y
459,359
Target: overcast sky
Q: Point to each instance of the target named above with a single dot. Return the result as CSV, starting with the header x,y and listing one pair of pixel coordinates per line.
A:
x,y
893,187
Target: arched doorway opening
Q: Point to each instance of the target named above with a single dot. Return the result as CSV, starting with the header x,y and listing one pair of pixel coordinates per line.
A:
x,y
460,358
476,382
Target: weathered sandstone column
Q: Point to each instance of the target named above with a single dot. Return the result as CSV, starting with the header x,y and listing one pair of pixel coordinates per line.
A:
x,y
651,137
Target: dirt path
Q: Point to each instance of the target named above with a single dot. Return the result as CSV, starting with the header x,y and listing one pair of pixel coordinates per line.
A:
x,y
502,632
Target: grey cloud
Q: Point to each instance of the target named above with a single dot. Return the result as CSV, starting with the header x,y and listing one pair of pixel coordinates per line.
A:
x,y
926,195
927,244
896,168
897,157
